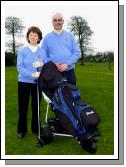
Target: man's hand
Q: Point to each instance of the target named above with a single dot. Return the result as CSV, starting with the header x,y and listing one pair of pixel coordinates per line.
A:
x,y
35,74
61,67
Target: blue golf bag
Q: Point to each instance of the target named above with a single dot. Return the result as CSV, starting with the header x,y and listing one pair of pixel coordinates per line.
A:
x,y
72,115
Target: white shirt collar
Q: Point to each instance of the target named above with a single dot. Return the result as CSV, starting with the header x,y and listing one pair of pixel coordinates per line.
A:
x,y
33,48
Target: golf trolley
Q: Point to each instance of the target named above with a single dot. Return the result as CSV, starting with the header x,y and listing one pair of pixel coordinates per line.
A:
x,y
73,117
53,127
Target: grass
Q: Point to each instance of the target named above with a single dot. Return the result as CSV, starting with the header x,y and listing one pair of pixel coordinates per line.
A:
x,y
96,84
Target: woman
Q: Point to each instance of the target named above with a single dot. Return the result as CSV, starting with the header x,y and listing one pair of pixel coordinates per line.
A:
x,y
27,58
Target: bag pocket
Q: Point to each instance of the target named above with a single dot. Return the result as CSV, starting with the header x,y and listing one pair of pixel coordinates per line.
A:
x,y
75,93
89,117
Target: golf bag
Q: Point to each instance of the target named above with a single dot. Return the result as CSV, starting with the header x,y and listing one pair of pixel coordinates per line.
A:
x,y
74,116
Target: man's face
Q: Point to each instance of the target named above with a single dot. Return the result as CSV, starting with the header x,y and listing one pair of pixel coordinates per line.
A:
x,y
57,22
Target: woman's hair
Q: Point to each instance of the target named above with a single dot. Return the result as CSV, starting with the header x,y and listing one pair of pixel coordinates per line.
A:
x,y
34,30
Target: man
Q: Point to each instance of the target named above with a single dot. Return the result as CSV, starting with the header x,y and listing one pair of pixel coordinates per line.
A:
x,y
62,49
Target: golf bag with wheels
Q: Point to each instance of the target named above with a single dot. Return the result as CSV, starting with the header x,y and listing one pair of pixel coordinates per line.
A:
x,y
76,117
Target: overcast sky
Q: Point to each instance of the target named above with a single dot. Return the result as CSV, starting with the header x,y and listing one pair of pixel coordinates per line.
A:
x,y
99,15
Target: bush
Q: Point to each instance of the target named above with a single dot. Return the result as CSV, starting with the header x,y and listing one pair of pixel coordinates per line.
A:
x,y
10,59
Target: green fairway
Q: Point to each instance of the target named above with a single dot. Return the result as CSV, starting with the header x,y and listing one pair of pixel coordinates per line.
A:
x,y
96,85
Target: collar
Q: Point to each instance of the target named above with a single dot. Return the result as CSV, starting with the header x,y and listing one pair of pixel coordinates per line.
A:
x,y
58,32
33,48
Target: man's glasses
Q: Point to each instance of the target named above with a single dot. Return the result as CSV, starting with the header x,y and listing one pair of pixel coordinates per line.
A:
x,y
57,20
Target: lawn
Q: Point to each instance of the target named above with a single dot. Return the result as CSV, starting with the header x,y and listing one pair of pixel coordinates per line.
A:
x,y
96,84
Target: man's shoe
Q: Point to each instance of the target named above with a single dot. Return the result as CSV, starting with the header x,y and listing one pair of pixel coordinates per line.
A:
x,y
35,132
20,135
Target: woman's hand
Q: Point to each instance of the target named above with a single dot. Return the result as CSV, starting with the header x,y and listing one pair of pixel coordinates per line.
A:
x,y
36,74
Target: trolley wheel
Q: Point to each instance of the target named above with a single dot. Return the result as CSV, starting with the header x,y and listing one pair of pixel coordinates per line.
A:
x,y
55,126
40,143
89,146
46,134
93,147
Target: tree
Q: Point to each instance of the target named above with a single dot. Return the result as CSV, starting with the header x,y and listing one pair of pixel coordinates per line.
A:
x,y
9,45
110,57
10,59
100,57
14,27
80,28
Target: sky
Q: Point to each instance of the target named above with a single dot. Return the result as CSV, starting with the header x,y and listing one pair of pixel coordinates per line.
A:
x,y
99,15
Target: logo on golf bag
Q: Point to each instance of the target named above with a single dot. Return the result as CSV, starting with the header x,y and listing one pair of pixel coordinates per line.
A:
x,y
88,113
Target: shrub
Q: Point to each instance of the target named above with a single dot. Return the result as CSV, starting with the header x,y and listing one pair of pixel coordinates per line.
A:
x,y
10,59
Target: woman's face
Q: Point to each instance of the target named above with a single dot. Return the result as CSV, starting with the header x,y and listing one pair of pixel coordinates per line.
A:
x,y
33,38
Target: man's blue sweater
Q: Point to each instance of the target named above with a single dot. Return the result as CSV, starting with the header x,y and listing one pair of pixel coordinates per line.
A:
x,y
25,60
61,48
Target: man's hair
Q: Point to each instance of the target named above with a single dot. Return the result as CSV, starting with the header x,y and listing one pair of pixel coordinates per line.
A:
x,y
57,14
34,30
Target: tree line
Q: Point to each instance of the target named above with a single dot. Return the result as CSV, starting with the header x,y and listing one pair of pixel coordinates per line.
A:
x,y
77,25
